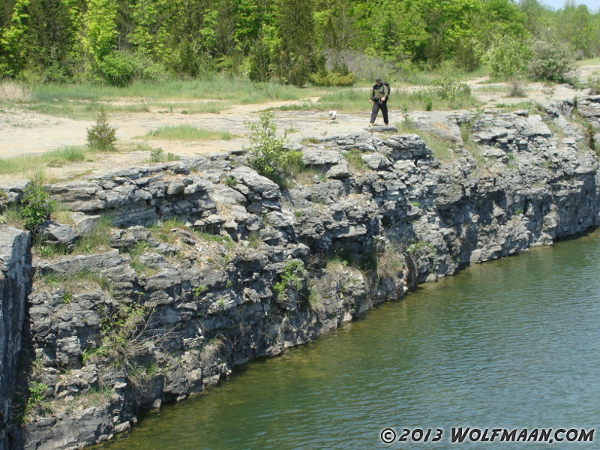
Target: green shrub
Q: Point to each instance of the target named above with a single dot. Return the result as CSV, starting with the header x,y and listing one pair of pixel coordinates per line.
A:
x,y
102,136
36,204
550,61
507,56
290,278
332,79
118,68
268,157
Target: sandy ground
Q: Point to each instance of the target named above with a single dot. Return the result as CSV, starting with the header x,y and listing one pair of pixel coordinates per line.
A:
x,y
23,132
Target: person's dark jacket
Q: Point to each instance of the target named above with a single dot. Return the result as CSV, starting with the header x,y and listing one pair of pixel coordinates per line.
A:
x,y
380,91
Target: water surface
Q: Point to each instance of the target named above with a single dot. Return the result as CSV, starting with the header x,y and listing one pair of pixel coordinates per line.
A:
x,y
513,343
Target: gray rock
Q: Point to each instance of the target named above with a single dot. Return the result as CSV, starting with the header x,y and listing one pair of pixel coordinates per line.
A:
x,y
57,233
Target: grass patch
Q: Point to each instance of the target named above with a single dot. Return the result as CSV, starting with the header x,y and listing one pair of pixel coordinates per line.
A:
x,y
83,280
98,238
442,149
355,161
187,133
224,240
472,147
12,216
528,105
192,108
136,263
34,162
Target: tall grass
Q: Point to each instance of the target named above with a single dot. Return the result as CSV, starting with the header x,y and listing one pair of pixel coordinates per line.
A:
x,y
219,87
187,133
442,149
34,162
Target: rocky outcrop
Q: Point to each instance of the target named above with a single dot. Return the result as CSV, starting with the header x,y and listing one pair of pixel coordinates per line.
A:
x,y
15,281
249,269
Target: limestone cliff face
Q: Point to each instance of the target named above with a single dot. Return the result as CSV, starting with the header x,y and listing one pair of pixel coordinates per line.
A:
x,y
251,270
15,282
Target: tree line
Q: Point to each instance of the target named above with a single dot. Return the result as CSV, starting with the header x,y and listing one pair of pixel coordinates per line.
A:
x,y
117,41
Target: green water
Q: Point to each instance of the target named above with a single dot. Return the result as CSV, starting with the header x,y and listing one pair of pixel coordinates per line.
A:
x,y
507,344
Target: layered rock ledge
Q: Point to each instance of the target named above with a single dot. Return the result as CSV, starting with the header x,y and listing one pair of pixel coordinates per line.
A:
x,y
164,307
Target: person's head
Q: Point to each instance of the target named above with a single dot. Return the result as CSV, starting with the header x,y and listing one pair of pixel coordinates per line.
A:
x,y
378,81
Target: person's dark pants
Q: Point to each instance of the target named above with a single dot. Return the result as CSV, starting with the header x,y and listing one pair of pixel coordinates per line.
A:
x,y
379,106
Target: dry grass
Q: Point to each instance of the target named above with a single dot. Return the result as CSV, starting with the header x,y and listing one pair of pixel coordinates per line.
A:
x,y
11,92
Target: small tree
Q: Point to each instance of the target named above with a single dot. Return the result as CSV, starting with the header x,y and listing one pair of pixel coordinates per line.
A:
x,y
269,158
102,136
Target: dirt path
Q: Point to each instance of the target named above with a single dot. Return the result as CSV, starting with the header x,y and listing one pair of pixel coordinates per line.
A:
x,y
23,132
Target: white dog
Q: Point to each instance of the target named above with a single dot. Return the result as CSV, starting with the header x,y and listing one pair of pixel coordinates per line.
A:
x,y
333,114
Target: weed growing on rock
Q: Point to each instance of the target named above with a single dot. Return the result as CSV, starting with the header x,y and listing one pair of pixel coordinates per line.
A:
x,y
199,290
211,349
36,391
390,260
291,277
230,181
102,137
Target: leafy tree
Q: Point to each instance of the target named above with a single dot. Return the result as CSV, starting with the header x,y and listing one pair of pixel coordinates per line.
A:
x,y
100,33
12,41
295,24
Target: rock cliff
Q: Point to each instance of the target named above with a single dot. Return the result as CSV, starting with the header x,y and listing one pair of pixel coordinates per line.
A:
x,y
15,281
209,265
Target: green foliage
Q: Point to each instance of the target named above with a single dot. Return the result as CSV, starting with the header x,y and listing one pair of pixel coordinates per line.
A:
x,y
118,69
230,181
35,391
199,290
507,56
158,155
268,156
260,62
102,136
36,204
550,61
291,278
122,331
332,79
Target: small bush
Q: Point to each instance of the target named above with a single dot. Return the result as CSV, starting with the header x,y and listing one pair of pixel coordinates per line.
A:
x,y
593,85
118,68
550,61
516,88
102,136
36,204
332,79
268,156
290,278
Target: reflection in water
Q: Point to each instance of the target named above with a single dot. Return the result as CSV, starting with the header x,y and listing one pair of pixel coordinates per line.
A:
x,y
507,344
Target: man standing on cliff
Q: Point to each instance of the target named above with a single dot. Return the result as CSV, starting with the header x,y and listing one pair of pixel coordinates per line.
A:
x,y
379,97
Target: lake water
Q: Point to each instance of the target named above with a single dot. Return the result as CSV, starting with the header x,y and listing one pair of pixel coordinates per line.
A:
x,y
508,344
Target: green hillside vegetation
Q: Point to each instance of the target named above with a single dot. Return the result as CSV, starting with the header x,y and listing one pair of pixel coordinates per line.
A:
x,y
333,42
